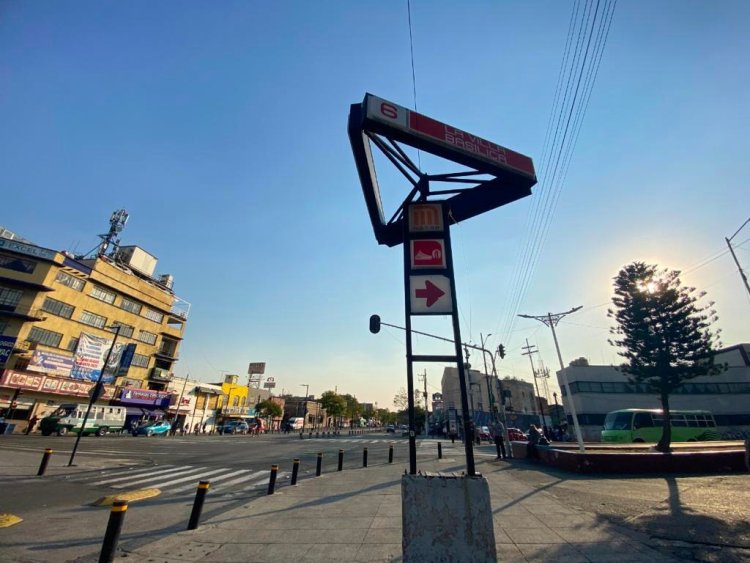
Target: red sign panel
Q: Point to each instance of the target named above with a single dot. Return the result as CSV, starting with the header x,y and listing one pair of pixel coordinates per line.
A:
x,y
427,253
457,140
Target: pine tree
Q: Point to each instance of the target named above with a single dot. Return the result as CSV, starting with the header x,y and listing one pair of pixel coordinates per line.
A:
x,y
663,333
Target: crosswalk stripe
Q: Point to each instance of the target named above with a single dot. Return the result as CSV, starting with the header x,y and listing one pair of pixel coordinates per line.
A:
x,y
105,472
196,473
138,475
257,476
261,482
219,478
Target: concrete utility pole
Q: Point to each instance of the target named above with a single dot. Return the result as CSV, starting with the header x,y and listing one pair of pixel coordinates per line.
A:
x,y
528,353
734,256
551,320
490,394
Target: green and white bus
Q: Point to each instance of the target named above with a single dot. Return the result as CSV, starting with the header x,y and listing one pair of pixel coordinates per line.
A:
x,y
69,418
645,425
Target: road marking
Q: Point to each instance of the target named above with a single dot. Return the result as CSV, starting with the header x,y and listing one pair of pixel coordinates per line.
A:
x,y
130,496
262,482
7,520
197,474
220,478
141,473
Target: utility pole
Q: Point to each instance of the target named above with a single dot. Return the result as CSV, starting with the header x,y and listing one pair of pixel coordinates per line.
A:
x,y
490,394
734,256
468,384
551,320
528,353
423,377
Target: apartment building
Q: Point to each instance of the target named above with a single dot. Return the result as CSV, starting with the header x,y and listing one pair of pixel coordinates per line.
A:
x,y
59,316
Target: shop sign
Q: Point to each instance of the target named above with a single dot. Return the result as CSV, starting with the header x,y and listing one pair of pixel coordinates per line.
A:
x,y
49,384
27,249
145,397
6,347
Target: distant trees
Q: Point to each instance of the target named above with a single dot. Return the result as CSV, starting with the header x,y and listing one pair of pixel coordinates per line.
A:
x,y
334,404
269,408
662,332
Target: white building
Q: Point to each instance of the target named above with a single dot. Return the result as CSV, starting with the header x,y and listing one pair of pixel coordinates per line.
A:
x,y
194,402
598,390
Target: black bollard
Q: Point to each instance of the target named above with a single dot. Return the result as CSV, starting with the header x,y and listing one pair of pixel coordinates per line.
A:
x,y
301,435
272,480
319,465
390,454
341,460
45,461
200,497
364,457
440,450
114,527
295,471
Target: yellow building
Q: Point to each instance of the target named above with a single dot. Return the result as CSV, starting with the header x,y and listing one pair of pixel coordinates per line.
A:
x,y
58,312
233,402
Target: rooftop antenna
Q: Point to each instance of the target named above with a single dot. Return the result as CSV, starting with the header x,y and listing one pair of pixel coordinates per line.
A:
x,y
116,224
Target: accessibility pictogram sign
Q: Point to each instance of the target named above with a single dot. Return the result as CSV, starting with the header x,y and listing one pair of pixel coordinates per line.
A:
x,y
427,253
430,295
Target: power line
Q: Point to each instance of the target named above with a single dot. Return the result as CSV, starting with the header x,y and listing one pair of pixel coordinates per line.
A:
x,y
413,73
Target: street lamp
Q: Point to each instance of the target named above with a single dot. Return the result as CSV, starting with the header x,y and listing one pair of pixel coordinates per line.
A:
x,y
95,392
307,394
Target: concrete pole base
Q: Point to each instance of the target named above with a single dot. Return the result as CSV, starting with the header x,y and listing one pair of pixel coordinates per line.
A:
x,y
447,517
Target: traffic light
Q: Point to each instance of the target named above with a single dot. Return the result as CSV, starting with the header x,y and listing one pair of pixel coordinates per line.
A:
x,y
500,350
375,324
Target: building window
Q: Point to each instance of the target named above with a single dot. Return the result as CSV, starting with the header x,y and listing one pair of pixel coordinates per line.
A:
x,y
125,330
139,361
236,401
73,344
103,295
130,306
46,337
70,281
93,319
3,326
17,264
9,298
155,316
147,337
58,308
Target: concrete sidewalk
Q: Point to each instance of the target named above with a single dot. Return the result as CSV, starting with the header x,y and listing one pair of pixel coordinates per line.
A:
x,y
355,515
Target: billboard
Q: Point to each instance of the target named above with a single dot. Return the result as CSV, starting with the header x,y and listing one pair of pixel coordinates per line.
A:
x,y
90,355
256,367
50,363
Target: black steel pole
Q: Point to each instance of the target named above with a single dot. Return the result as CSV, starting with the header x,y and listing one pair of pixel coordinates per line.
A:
x,y
200,497
45,461
341,460
468,442
364,457
409,362
295,471
272,479
93,397
114,527
319,464
390,454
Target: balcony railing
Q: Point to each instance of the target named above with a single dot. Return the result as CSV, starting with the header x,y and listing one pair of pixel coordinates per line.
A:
x,y
25,313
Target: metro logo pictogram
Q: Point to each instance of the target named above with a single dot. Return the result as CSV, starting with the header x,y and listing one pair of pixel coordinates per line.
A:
x,y
425,217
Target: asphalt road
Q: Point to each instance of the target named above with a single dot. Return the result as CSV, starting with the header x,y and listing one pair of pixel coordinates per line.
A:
x,y
61,524
697,518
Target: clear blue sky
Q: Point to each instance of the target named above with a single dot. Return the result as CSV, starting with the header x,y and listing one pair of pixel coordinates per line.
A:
x,y
221,128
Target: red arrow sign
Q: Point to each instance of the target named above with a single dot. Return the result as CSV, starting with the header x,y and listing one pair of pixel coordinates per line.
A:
x,y
431,292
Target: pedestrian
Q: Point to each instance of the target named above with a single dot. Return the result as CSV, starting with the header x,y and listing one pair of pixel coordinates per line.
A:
x,y
197,427
535,438
205,424
32,423
497,434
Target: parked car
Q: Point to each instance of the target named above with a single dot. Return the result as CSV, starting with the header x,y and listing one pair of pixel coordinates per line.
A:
x,y
484,433
153,428
517,435
390,429
234,427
